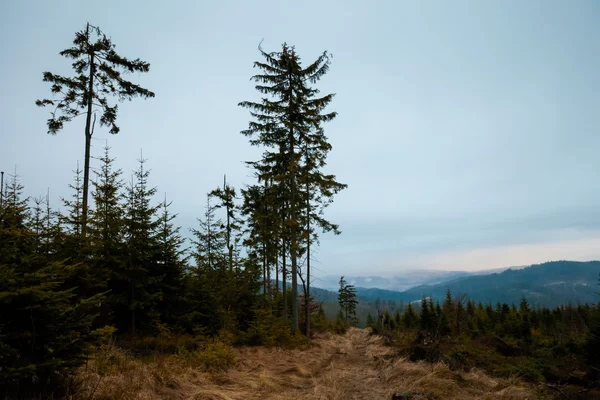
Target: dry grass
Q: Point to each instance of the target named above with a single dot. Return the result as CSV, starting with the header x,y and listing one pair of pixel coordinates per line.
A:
x,y
353,366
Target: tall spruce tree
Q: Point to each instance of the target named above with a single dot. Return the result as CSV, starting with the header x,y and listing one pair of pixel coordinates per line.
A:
x,y
171,262
106,238
287,123
140,271
98,77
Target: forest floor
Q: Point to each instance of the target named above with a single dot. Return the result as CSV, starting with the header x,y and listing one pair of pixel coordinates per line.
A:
x,y
353,366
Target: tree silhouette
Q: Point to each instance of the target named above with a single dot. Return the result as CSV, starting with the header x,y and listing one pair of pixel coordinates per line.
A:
x,y
98,77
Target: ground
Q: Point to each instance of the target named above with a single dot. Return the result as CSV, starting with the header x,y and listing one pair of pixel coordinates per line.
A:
x,y
353,366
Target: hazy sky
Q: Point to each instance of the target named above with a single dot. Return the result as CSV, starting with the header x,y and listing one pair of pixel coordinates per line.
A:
x,y
468,132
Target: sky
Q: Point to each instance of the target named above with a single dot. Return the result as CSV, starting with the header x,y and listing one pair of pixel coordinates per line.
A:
x,y
467,130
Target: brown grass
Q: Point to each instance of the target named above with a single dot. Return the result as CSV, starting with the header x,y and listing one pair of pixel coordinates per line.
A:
x,y
353,366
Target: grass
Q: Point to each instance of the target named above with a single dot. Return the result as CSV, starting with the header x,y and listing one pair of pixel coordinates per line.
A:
x,y
354,365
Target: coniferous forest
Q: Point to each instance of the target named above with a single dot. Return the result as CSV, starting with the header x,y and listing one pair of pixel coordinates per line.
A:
x,y
112,262
108,266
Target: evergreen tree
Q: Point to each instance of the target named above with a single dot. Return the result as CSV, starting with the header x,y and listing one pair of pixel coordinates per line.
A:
x,y
99,76
287,124
410,319
370,321
347,301
140,271
106,238
209,241
170,262
71,219
226,199
44,332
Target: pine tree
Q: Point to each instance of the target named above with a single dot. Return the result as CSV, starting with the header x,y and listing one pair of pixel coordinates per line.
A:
x,y
71,219
105,243
170,262
44,331
209,241
284,124
99,76
410,319
449,311
140,271
226,199
347,301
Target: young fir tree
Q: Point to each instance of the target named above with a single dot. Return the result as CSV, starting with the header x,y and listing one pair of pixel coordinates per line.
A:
x,y
171,262
98,77
347,301
44,331
71,219
209,241
212,273
287,123
140,271
106,235
226,199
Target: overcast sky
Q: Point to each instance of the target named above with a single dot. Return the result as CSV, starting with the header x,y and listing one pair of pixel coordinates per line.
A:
x,y
467,130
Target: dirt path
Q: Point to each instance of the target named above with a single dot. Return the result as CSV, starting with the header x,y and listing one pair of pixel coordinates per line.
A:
x,y
353,366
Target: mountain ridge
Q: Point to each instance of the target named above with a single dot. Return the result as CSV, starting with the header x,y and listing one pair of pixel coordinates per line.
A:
x,y
550,284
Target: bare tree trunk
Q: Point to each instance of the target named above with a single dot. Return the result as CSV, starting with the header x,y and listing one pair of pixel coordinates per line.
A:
x,y
294,258
1,188
88,143
264,269
284,282
276,270
307,294
229,246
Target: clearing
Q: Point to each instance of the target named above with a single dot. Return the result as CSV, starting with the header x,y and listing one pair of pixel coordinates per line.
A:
x,y
353,366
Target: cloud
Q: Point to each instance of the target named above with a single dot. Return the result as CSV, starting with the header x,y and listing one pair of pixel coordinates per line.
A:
x,y
582,249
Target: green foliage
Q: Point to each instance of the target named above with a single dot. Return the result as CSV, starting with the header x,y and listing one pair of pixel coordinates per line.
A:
x,y
288,124
96,65
347,301
216,356
268,330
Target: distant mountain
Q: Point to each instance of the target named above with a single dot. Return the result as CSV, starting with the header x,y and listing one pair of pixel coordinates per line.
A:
x,y
403,280
550,284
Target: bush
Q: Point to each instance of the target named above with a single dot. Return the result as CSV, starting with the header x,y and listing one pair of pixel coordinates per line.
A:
x,y
529,370
216,356
269,330
164,343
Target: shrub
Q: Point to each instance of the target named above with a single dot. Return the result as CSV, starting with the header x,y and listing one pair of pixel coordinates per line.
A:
x,y
216,356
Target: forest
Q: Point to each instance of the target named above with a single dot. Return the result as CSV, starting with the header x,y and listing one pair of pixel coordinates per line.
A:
x,y
108,267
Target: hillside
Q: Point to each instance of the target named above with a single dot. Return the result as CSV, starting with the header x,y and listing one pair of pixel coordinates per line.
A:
x,y
399,281
353,366
550,284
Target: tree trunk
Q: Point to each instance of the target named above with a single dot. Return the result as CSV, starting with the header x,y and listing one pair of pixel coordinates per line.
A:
x,y
1,188
307,295
229,246
284,281
88,142
264,269
294,244
276,271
